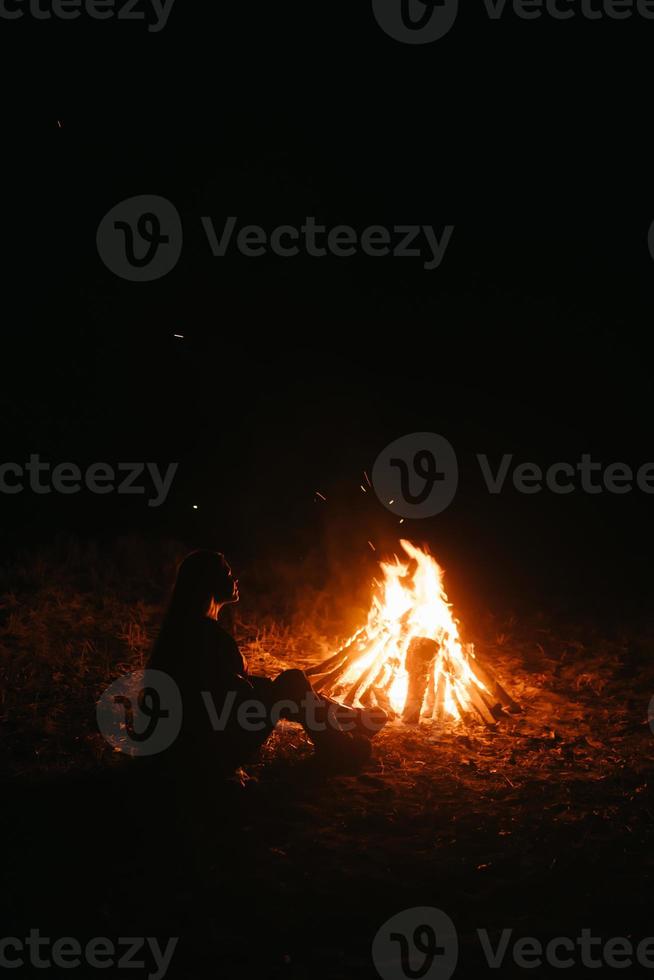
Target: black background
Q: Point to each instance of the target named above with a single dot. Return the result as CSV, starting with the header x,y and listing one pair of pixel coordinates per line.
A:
x,y
532,338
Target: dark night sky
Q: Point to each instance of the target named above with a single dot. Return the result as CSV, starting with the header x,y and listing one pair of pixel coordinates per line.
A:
x,y
531,338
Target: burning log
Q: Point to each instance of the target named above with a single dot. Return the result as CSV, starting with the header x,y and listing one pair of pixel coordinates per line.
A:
x,y
338,657
419,664
372,671
343,660
464,715
439,698
369,696
329,680
355,648
383,701
382,684
494,687
431,695
482,708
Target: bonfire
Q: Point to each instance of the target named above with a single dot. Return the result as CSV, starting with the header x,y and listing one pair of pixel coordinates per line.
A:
x,y
409,658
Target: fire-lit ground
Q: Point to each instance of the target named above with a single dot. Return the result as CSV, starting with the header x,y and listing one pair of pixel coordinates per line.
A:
x,y
544,826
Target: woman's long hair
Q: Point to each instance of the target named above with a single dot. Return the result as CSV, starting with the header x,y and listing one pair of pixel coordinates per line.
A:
x,y
201,577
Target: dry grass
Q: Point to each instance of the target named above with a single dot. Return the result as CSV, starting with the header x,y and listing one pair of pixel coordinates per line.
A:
x,y
71,621
75,617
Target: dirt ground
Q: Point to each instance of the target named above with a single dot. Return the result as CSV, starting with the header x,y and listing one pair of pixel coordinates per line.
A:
x,y
543,827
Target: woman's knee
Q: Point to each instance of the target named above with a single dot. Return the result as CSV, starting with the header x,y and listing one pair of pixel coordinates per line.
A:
x,y
293,684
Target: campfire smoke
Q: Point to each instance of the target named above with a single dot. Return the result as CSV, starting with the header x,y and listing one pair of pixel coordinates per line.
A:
x,y
409,658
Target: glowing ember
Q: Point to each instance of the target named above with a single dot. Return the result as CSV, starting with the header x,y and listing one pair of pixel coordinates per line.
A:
x,y
409,658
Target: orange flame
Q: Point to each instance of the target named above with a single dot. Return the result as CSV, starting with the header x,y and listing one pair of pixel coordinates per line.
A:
x,y
407,605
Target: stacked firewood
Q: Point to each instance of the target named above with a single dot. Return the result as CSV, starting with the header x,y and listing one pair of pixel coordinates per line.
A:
x,y
437,688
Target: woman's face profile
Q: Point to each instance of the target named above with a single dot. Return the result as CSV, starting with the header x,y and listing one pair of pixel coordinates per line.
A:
x,y
229,592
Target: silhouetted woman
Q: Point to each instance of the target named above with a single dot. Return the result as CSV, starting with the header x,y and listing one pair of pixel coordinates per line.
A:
x,y
228,713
